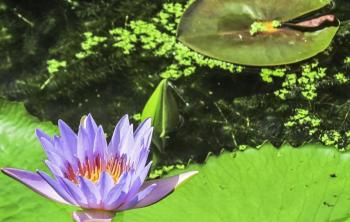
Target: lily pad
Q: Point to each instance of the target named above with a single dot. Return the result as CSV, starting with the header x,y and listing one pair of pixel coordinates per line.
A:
x,y
310,183
19,148
222,30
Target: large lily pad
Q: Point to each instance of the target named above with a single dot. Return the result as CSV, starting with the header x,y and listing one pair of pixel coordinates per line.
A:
x,y
222,29
311,183
19,148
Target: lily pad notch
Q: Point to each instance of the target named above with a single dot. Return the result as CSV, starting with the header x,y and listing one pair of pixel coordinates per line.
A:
x,y
258,33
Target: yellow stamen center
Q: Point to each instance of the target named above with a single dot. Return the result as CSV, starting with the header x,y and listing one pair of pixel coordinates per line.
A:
x,y
92,170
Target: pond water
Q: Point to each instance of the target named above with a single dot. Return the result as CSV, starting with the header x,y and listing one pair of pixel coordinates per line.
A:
x,y
219,109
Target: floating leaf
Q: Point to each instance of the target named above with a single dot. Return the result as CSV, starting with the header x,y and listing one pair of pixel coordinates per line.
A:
x,y
310,183
246,31
163,110
19,148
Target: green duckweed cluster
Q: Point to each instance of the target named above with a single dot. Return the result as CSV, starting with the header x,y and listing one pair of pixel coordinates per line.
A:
x,y
305,85
309,119
54,65
88,45
303,119
347,60
331,137
257,27
341,78
159,37
268,74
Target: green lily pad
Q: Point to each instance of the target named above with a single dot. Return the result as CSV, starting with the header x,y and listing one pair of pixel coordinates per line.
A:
x,y
311,183
222,30
19,148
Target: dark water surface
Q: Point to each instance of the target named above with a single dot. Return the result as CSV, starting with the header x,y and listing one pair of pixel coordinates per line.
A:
x,y
220,109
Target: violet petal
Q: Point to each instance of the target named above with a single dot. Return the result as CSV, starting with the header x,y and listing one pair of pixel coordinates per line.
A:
x,y
164,187
74,191
104,185
84,147
100,144
61,191
56,171
142,128
114,145
137,198
41,134
90,191
68,138
35,183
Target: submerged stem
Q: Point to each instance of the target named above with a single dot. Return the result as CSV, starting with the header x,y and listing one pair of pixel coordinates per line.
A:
x,y
93,216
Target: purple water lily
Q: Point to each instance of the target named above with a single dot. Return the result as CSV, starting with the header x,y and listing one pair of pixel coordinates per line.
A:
x,y
101,178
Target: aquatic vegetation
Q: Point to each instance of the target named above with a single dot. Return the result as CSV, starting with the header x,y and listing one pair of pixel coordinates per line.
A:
x,y
304,121
261,27
90,42
238,180
20,148
63,58
162,108
265,184
341,78
267,74
347,60
231,30
101,178
158,37
311,118
331,138
248,108
306,84
54,65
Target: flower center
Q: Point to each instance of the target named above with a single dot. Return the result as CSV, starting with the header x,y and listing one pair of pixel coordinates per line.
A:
x,y
92,170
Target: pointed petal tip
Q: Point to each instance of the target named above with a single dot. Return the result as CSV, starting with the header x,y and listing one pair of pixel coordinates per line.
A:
x,y
124,118
34,182
145,124
148,120
37,131
185,176
41,174
60,122
11,172
40,134
5,170
8,171
100,129
89,118
164,187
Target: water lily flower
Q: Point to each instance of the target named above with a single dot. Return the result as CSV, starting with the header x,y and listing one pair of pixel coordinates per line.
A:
x,y
100,178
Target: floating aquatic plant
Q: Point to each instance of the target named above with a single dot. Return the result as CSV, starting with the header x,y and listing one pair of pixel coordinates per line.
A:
x,y
158,37
304,184
258,33
101,178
